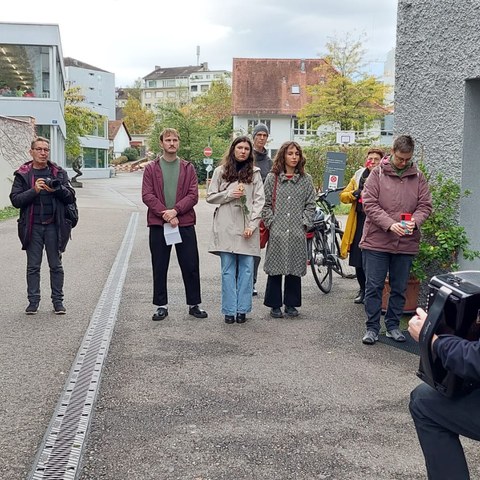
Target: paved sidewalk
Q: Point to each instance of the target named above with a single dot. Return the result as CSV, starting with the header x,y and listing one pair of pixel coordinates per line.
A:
x,y
196,399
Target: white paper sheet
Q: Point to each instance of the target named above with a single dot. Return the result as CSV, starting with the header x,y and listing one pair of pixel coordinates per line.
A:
x,y
172,234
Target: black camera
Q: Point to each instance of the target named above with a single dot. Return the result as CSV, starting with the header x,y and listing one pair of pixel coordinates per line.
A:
x,y
53,183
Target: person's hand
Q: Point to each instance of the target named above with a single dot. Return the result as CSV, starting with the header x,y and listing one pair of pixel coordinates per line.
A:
x,y
168,215
174,222
239,191
247,233
415,324
402,229
41,185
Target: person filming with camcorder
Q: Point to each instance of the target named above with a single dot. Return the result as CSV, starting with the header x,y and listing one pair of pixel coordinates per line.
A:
x,y
447,405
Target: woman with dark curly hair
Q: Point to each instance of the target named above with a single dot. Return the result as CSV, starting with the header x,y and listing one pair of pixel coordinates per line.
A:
x,y
237,189
288,214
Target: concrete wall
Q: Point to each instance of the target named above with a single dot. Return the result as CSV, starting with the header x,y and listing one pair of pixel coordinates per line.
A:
x,y
437,96
15,139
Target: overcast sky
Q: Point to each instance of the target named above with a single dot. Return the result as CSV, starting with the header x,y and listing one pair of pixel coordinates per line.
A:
x,y
128,37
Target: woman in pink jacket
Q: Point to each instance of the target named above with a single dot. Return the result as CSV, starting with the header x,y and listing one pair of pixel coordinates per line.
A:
x,y
389,244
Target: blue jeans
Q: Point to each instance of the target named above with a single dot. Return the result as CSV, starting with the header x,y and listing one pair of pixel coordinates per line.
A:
x,y
44,237
439,421
376,266
237,283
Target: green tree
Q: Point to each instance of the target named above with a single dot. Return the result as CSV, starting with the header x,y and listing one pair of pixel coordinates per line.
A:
x,y
346,96
214,108
136,118
79,120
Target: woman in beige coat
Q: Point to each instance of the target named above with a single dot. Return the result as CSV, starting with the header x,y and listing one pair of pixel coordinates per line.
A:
x,y
237,189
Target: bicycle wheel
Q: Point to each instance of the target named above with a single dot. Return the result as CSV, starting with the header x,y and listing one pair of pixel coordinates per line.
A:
x,y
341,266
321,268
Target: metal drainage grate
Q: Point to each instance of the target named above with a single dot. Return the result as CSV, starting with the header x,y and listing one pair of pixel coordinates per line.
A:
x,y
59,455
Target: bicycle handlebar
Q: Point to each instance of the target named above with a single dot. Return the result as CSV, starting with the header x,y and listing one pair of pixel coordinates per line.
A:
x,y
324,195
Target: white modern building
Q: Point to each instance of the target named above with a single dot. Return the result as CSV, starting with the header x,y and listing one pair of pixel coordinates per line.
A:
x,y
32,80
98,89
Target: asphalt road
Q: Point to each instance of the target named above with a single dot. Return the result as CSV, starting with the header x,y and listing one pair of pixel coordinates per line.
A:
x,y
193,399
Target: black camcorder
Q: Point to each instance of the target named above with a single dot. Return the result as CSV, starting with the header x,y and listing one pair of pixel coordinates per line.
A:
x,y
453,308
53,183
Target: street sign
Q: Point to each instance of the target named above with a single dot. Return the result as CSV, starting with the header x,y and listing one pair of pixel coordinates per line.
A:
x,y
208,161
209,168
207,151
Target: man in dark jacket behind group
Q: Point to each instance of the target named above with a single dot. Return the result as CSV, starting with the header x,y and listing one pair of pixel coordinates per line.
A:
x,y
41,190
264,162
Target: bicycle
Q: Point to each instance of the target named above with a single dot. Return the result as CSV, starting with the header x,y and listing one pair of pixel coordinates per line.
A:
x,y
323,244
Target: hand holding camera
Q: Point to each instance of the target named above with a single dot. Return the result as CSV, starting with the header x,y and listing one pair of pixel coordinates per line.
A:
x,y
48,184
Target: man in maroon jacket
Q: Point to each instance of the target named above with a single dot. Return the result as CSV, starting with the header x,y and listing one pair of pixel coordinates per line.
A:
x,y
440,420
170,191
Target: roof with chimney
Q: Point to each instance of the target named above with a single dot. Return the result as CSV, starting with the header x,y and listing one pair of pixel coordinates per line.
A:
x,y
274,86
175,72
73,62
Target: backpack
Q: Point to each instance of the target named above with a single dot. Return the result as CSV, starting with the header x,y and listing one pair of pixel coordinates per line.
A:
x,y
71,213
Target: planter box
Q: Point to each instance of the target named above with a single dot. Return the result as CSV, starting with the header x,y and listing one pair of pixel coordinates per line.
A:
x,y
411,301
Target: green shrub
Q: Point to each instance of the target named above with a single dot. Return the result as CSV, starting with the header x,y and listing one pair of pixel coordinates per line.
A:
x,y
131,153
119,160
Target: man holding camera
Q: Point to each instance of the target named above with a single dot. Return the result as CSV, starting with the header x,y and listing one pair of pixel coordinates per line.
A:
x,y
41,190
440,420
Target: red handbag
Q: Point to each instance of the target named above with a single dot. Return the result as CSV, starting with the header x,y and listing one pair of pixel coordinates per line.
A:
x,y
264,231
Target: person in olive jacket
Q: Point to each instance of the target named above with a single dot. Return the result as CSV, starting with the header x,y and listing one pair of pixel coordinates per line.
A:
x,y
389,244
41,189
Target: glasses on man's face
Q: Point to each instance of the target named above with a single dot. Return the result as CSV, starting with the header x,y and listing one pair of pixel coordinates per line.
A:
x,y
39,149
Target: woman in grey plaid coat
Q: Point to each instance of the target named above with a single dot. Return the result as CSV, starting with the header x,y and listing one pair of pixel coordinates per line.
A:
x,y
287,213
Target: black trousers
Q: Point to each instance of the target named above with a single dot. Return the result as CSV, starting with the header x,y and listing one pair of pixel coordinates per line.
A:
x,y
44,237
187,254
439,422
292,295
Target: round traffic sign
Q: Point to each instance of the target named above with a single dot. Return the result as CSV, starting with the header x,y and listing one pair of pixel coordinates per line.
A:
x,y
207,151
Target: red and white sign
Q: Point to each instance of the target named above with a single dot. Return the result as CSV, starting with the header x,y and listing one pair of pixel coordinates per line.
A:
x,y
207,151
332,181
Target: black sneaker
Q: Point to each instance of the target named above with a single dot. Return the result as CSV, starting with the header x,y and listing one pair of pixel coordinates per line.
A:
x,y
32,309
197,312
276,313
59,309
291,311
160,314
254,292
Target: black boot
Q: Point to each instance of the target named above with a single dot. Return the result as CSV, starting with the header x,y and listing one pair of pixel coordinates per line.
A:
x,y
360,296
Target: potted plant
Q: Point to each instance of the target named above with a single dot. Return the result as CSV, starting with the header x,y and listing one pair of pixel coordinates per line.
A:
x,y
443,240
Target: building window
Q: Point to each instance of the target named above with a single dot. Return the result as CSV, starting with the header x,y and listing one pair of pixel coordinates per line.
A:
x,y
253,123
204,88
151,83
24,71
303,128
158,94
94,157
194,88
171,94
148,94
296,89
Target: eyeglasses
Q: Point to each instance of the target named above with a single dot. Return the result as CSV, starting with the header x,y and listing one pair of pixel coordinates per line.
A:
x,y
38,149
